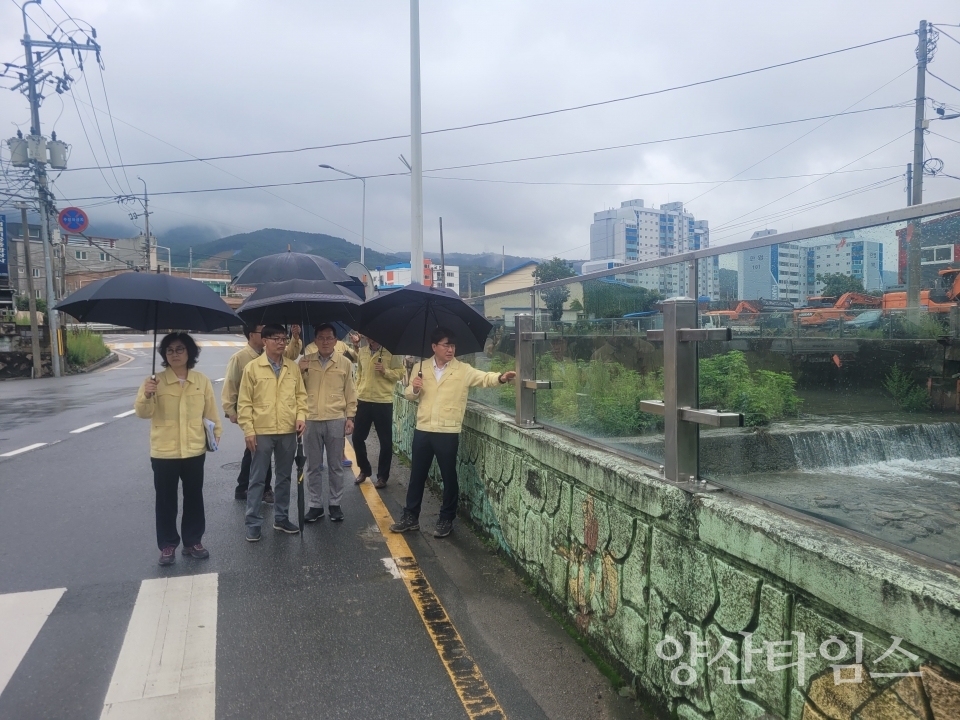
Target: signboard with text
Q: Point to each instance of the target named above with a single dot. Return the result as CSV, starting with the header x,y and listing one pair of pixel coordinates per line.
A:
x,y
73,220
4,257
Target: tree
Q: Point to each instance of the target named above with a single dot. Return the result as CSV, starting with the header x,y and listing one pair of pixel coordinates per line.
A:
x,y
23,303
605,299
555,297
836,284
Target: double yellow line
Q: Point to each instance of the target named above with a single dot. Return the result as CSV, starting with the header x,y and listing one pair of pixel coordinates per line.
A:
x,y
477,697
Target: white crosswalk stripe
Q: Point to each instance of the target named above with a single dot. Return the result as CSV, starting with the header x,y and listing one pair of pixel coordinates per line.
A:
x,y
167,665
24,615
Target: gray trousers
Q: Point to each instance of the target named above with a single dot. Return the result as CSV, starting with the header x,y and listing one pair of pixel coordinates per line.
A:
x,y
283,448
322,434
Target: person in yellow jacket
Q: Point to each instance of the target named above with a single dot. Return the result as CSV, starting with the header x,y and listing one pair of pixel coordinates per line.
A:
x,y
378,372
332,405
272,411
441,395
177,402
228,399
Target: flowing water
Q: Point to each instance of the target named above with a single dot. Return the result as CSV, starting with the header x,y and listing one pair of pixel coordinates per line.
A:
x,y
896,482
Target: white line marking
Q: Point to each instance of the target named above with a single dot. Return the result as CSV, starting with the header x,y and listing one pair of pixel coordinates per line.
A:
x,y
125,414
91,426
391,565
167,665
23,616
219,379
22,450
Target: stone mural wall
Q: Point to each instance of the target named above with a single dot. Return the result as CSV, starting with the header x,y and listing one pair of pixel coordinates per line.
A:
x,y
713,606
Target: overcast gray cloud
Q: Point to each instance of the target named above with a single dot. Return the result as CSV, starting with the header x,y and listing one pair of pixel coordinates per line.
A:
x,y
225,77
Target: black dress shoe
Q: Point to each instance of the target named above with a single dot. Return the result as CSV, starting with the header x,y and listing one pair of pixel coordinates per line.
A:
x,y
313,514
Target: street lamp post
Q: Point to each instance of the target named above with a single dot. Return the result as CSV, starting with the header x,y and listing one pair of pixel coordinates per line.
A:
x,y
363,212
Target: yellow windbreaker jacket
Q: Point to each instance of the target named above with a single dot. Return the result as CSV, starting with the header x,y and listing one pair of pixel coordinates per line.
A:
x,y
442,405
331,391
231,379
371,385
267,404
176,414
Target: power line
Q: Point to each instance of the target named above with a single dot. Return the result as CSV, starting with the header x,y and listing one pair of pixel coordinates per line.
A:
x,y
517,117
942,80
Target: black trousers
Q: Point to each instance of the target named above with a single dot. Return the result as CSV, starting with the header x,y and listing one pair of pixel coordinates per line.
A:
x,y
426,446
243,479
380,415
167,475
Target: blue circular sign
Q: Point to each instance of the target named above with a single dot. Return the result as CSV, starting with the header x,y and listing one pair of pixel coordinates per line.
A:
x,y
73,220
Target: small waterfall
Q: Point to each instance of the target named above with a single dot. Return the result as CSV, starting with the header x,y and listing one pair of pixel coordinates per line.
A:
x,y
874,444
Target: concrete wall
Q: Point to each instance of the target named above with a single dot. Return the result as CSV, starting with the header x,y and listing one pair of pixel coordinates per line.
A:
x,y
645,570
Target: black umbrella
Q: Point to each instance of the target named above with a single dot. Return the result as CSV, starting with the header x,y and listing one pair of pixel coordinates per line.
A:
x,y
296,266
301,459
306,302
403,319
148,301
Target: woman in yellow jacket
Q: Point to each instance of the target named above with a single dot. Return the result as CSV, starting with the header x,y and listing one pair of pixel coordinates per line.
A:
x,y
178,402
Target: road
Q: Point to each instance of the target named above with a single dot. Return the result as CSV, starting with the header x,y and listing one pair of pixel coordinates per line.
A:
x,y
322,625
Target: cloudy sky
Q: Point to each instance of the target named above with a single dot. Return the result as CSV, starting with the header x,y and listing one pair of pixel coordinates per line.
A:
x,y
222,77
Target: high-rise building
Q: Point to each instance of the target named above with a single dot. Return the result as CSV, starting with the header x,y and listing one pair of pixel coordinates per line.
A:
x,y
636,233
400,275
789,271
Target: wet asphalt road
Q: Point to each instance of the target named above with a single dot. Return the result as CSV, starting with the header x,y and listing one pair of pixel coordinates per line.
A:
x,y
306,627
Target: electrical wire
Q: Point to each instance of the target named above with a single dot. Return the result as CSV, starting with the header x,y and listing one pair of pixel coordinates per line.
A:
x,y
804,187
113,128
103,142
942,80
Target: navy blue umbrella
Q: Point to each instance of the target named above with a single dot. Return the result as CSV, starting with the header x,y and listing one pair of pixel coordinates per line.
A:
x,y
402,320
303,302
148,301
296,266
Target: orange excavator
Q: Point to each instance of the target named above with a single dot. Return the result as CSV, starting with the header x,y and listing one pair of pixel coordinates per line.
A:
x,y
813,316
741,314
940,299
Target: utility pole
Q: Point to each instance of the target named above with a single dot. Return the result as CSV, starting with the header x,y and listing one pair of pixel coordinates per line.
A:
x,y
146,219
909,184
443,262
914,239
191,263
40,172
31,293
416,150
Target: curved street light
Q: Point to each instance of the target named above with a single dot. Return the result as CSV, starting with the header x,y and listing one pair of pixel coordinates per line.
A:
x,y
363,216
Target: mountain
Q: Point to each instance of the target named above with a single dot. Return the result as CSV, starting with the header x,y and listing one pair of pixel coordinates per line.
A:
x,y
235,251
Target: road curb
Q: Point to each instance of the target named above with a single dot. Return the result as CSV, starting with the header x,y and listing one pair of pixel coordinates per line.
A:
x,y
102,362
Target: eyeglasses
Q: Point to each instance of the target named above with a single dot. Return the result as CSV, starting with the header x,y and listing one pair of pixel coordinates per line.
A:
x,y
176,350
447,345
277,338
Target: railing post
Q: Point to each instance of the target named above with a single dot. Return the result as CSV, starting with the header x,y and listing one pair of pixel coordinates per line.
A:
x,y
526,370
680,389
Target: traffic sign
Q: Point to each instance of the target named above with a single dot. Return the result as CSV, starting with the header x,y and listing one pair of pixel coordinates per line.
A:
x,y
73,220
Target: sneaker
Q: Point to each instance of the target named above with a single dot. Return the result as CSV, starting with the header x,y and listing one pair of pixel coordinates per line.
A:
x,y
347,463
407,522
286,526
240,495
313,514
380,484
197,551
444,528
336,514
361,478
168,556
268,497
253,534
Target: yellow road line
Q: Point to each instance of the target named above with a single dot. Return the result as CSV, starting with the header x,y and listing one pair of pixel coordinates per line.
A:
x,y
477,697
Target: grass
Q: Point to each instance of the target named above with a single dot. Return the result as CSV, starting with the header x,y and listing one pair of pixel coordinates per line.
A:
x,y
85,347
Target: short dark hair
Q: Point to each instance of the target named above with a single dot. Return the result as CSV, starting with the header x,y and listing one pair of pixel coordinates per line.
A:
x,y
442,333
326,326
272,330
193,351
249,330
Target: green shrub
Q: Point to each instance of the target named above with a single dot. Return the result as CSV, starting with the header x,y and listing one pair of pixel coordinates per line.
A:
x,y
908,395
726,383
85,347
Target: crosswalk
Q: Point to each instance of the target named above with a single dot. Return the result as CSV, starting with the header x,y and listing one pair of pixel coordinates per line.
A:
x,y
166,667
